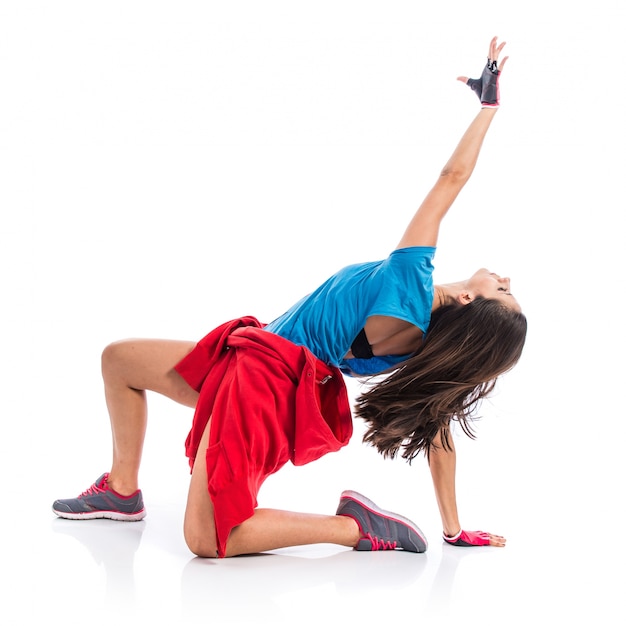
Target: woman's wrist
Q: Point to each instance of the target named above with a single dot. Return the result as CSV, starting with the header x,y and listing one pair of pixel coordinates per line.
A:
x,y
452,528
452,536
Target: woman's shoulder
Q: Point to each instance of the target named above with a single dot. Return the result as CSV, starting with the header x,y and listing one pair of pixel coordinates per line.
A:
x,y
415,251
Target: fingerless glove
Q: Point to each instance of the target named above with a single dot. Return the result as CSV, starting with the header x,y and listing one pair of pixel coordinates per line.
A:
x,y
486,87
468,538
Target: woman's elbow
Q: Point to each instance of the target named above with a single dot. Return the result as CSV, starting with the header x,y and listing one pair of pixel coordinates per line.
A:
x,y
456,175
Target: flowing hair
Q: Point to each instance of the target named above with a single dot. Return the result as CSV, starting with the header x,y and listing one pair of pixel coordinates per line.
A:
x,y
464,351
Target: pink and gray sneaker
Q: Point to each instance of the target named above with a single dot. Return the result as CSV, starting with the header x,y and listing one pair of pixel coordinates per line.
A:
x,y
380,530
100,501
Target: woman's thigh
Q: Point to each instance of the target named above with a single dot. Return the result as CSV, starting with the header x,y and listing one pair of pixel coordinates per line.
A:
x,y
148,364
199,525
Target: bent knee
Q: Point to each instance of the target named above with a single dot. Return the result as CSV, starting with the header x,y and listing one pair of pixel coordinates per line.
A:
x,y
200,544
113,355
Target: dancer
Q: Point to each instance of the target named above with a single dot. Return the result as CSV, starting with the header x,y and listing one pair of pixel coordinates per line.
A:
x,y
265,394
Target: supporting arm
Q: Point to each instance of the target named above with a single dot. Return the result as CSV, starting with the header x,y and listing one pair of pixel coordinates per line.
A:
x,y
442,462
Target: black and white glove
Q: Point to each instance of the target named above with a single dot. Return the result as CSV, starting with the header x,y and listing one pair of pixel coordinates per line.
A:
x,y
486,87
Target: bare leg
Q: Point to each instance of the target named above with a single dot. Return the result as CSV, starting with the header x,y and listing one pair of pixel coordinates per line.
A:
x,y
267,529
129,368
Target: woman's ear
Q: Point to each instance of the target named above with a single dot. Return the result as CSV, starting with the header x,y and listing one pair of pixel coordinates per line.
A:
x,y
465,297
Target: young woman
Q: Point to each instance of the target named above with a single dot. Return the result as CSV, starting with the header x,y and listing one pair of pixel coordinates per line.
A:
x,y
267,394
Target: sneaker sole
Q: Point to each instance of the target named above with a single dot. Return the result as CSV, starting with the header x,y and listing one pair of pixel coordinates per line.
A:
x,y
112,515
368,504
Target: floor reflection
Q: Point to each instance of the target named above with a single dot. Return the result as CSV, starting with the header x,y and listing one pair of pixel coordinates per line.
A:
x,y
273,581
442,588
112,545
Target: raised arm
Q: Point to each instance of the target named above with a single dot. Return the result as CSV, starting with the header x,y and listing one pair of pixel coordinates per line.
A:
x,y
442,462
423,230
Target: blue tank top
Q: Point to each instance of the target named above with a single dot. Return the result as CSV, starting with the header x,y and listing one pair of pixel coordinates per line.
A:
x,y
327,320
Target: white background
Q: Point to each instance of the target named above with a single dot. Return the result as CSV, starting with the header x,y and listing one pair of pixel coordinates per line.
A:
x,y
166,166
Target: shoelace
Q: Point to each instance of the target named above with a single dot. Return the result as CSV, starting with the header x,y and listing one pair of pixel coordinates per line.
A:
x,y
92,491
381,544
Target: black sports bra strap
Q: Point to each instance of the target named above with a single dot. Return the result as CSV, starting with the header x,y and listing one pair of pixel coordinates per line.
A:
x,y
360,347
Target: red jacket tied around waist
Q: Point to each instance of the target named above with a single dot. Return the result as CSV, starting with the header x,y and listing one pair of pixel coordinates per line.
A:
x,y
269,402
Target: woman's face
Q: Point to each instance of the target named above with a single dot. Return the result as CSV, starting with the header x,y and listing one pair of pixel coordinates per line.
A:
x,y
489,285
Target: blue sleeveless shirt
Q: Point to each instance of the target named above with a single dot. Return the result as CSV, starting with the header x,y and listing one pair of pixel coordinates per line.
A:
x,y
327,320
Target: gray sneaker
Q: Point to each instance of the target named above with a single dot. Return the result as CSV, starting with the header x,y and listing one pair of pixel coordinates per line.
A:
x,y
100,501
381,530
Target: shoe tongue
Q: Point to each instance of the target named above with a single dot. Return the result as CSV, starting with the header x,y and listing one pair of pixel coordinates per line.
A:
x,y
102,481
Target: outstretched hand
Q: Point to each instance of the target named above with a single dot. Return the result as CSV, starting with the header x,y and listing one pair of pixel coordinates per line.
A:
x,y
486,87
469,538
494,53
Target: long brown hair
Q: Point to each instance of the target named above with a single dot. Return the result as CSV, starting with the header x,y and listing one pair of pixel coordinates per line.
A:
x,y
464,351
